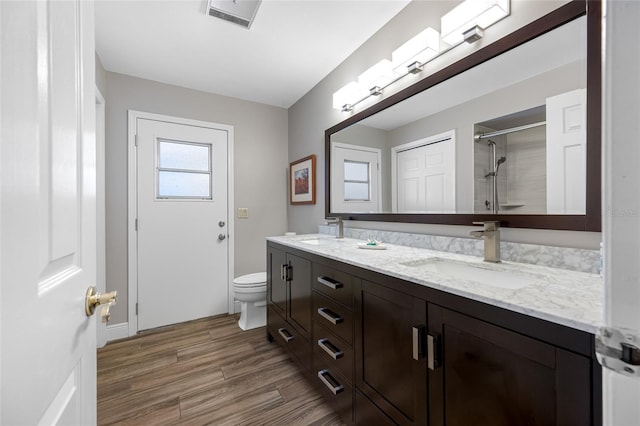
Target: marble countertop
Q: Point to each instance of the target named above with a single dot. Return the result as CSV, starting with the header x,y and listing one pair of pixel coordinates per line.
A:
x,y
573,299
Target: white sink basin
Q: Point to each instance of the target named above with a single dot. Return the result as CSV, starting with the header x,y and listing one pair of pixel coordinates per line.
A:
x,y
319,241
494,275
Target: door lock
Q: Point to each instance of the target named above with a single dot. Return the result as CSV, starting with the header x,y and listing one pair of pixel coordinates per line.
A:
x,y
221,224
221,237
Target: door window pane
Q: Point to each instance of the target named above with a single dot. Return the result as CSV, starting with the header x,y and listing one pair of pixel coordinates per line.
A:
x,y
185,156
355,191
184,170
356,181
356,171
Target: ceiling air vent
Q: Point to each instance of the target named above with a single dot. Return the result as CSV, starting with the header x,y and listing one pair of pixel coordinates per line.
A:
x,y
239,12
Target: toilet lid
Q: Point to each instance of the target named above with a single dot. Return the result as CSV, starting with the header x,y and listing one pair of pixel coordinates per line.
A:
x,y
251,279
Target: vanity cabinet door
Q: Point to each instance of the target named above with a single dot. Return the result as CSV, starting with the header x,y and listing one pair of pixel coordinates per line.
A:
x,y
299,311
387,372
276,282
492,376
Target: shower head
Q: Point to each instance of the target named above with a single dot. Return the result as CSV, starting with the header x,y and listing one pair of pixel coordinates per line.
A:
x,y
500,161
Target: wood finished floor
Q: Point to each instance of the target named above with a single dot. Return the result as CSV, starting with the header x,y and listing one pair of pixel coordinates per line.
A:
x,y
204,372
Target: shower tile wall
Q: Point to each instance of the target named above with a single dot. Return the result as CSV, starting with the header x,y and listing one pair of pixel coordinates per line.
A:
x,y
526,171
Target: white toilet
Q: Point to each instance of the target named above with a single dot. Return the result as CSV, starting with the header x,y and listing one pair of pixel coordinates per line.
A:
x,y
251,291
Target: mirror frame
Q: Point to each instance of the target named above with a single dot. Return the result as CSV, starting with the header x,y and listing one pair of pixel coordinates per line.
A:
x,y
591,220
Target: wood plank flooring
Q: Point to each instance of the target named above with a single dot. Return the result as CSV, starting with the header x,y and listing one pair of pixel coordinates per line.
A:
x,y
204,372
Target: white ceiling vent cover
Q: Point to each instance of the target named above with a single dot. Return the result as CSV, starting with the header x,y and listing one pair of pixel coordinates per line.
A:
x,y
239,12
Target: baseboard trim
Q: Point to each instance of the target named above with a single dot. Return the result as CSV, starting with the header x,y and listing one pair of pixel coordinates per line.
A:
x,y
117,331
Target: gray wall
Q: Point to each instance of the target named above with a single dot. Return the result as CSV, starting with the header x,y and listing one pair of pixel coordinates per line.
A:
x,y
260,168
313,113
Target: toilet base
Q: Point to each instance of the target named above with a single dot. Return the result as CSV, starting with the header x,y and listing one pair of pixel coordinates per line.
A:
x,y
252,315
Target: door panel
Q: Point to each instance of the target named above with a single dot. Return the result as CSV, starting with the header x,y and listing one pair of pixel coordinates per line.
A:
x,y
385,368
182,261
48,214
300,288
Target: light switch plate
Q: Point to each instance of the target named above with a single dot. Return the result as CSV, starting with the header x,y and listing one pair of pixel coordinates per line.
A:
x,y
243,213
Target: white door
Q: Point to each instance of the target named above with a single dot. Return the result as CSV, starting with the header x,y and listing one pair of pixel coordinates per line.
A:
x,y
355,171
48,244
621,197
424,173
182,222
567,153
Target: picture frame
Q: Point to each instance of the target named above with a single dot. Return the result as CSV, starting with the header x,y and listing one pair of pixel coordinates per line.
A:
x,y
302,181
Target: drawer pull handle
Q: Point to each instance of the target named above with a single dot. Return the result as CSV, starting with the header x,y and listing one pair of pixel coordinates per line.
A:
x,y
333,318
331,383
328,347
331,283
285,334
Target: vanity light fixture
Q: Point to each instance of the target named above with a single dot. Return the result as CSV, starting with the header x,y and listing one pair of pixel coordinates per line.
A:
x,y
349,95
377,77
421,48
467,20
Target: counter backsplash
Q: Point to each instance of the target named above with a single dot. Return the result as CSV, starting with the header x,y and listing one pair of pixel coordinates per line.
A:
x,y
555,257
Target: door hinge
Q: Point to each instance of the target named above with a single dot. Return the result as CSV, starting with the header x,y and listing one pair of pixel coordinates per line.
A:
x,y
136,224
618,349
135,140
136,308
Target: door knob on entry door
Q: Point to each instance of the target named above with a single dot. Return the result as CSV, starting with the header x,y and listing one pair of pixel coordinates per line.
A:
x,y
94,299
221,237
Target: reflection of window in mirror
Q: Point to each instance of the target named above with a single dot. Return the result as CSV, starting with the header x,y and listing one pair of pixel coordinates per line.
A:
x,y
357,181
355,174
533,161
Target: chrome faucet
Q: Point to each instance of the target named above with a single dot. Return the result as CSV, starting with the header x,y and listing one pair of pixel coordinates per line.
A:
x,y
491,236
338,222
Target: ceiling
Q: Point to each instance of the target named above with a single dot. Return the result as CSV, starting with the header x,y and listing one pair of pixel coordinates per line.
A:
x,y
291,46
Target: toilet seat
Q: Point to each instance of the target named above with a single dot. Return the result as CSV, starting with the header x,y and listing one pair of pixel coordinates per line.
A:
x,y
257,279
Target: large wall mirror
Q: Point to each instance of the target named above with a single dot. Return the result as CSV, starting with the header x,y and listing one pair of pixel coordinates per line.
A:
x,y
509,133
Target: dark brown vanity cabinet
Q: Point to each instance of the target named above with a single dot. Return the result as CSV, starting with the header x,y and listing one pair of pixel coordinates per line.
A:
x,y
332,341
419,363
387,351
289,302
391,368
488,375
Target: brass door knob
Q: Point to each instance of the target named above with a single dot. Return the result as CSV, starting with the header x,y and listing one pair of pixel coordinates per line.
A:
x,y
94,299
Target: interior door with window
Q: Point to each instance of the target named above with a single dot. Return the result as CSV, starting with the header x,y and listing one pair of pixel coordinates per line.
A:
x,y
357,169
48,216
182,229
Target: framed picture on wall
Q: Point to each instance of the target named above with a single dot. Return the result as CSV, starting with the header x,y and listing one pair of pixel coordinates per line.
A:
x,y
302,181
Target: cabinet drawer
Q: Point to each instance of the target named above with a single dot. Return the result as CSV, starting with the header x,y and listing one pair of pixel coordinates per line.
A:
x,y
334,316
335,388
335,284
287,336
336,353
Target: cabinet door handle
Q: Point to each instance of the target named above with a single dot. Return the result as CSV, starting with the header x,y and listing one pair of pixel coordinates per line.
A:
x,y
331,283
433,351
282,272
331,383
329,348
285,334
333,318
418,342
